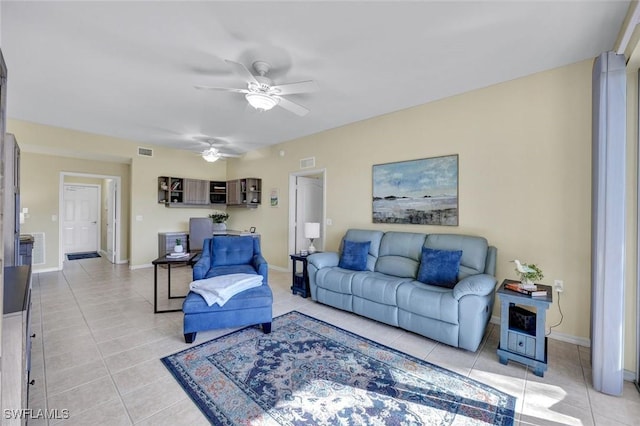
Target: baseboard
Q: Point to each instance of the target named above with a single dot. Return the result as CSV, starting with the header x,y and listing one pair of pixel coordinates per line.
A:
x,y
37,271
628,376
144,265
279,268
580,341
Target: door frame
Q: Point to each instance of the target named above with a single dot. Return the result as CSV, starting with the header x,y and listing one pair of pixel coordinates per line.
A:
x,y
293,202
118,212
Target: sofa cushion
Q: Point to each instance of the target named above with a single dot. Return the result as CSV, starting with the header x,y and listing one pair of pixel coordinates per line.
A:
x,y
428,301
354,255
400,254
377,287
439,267
474,251
232,250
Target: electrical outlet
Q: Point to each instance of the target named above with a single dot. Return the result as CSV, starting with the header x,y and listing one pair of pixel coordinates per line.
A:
x,y
558,285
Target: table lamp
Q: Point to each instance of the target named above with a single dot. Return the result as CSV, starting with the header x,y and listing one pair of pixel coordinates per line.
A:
x,y
311,231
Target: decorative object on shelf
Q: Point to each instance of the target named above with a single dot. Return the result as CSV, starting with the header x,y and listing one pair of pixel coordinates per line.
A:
x,y
178,248
311,231
274,197
423,192
529,273
219,217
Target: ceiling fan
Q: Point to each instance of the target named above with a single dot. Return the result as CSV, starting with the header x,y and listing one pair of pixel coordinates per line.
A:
x,y
262,94
214,153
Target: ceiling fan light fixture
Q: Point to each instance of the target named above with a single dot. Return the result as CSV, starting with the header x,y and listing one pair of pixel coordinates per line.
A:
x,y
211,155
260,101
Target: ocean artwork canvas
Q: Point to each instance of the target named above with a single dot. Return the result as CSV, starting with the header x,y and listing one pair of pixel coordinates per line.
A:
x,y
422,192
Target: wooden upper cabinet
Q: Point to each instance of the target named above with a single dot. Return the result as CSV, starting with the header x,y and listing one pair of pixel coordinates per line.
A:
x,y
183,192
244,192
196,191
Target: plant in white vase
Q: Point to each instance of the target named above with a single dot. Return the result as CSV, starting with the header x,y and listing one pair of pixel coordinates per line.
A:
x,y
219,217
529,273
178,248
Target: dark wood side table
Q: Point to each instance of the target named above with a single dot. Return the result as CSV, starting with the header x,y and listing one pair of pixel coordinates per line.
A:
x,y
522,332
300,280
166,260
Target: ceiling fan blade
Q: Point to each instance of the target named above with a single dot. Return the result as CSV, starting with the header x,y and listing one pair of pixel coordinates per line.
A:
x,y
291,88
226,155
292,107
224,89
243,71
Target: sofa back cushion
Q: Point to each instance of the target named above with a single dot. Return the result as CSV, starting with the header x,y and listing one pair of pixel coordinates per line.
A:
x,y
227,250
474,251
363,235
400,254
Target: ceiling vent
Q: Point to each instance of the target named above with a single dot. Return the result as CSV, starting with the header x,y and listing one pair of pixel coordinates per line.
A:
x,y
306,163
145,152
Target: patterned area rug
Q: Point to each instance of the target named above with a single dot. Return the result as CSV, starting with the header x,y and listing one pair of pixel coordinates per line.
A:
x,y
78,256
309,372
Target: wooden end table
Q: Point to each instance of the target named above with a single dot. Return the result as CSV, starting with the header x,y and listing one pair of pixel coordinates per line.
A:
x,y
300,280
518,342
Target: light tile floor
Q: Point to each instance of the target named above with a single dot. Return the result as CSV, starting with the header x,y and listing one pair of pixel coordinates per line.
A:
x,y
98,346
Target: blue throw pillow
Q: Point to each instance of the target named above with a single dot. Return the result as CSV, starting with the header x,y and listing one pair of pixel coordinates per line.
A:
x,y
354,255
439,267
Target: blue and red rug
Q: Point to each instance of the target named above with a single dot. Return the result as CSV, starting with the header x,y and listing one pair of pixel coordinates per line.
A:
x,y
309,372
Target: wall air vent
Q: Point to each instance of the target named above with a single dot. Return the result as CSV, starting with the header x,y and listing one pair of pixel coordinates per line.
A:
x,y
145,152
306,163
38,257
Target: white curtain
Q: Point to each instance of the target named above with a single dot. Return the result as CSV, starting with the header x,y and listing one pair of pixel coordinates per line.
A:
x,y
608,217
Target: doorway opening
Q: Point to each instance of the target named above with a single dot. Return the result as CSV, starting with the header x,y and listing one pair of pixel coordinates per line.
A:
x,y
89,215
307,197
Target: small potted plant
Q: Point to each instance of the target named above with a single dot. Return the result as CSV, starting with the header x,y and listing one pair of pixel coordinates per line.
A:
x,y
178,248
219,217
529,273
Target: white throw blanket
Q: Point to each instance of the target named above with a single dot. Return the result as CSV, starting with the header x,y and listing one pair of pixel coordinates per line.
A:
x,y
223,287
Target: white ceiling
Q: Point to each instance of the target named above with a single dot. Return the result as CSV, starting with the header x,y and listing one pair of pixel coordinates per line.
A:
x,y
127,69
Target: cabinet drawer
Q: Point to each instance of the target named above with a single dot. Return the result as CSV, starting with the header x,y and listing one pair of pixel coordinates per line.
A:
x,y
522,344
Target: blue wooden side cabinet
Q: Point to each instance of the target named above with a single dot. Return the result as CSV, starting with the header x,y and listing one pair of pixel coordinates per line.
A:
x,y
522,330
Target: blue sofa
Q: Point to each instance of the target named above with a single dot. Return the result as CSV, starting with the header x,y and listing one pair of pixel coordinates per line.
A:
x,y
225,255
387,290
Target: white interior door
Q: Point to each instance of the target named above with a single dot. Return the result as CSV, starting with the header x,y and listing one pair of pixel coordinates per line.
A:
x,y
81,217
309,208
112,222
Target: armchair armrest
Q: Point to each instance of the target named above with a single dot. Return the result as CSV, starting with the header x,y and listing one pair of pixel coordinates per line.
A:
x,y
480,285
202,266
261,266
323,260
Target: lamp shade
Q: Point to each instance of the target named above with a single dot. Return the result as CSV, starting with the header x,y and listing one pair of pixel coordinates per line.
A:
x,y
311,230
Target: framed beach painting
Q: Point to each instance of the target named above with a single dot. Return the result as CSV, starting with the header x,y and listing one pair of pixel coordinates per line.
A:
x,y
421,192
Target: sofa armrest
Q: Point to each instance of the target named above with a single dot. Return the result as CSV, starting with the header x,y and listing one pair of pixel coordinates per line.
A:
x,y
480,285
202,266
261,266
325,259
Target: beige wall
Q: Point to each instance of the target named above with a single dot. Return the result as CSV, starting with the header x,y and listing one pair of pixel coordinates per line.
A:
x,y
525,167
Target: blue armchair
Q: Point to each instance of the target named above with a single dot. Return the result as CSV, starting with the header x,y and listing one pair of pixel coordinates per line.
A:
x,y
225,255
230,255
